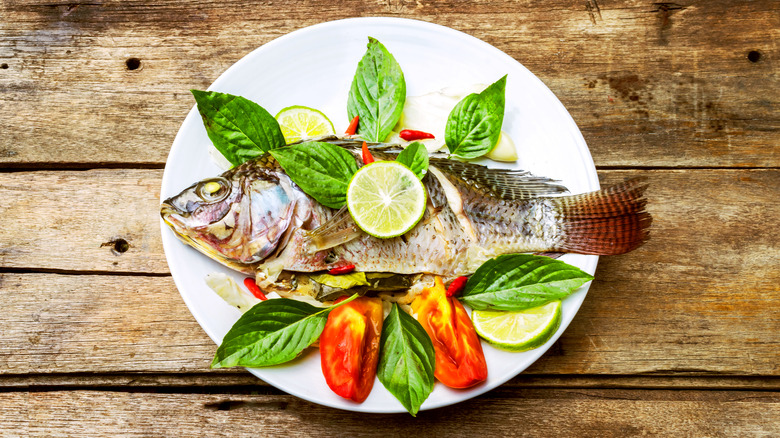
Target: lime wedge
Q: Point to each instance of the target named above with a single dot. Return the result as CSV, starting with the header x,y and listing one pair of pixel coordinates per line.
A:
x,y
518,331
300,122
386,199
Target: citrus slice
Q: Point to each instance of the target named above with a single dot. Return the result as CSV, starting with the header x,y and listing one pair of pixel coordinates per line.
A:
x,y
300,122
518,331
386,199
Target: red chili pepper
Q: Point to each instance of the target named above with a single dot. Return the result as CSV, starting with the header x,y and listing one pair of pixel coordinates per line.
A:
x,y
346,269
254,288
457,286
352,128
410,134
367,157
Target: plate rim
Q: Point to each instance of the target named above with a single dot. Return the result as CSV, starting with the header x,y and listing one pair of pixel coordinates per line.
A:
x,y
582,148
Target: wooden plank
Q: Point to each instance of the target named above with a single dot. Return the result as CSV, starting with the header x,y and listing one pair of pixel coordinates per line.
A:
x,y
697,299
111,324
650,84
79,220
241,380
602,413
67,221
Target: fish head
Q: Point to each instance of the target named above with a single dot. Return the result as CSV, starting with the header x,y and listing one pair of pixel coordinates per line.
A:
x,y
238,218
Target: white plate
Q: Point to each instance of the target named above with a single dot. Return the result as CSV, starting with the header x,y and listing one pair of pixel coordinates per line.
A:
x,y
314,67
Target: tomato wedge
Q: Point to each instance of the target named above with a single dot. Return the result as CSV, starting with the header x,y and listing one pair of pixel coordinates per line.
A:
x,y
460,362
349,347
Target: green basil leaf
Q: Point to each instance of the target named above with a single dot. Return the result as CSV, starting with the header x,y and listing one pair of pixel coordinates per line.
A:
x,y
415,157
521,281
407,360
342,281
377,94
474,124
239,128
321,170
272,332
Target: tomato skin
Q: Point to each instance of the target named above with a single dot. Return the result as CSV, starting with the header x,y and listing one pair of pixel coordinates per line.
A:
x,y
460,362
349,347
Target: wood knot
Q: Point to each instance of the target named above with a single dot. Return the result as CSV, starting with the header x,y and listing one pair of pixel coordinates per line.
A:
x,y
133,63
118,246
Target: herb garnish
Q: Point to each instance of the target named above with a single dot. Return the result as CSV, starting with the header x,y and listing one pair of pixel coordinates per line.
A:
x,y
407,360
474,125
521,281
415,157
321,170
272,332
239,128
377,94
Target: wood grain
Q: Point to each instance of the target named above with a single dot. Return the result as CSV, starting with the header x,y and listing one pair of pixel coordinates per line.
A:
x,y
698,299
73,221
110,324
586,413
650,84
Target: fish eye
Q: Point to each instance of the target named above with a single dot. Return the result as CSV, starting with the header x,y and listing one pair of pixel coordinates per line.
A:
x,y
213,190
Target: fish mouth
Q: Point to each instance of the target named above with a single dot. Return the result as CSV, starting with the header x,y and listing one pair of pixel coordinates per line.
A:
x,y
169,212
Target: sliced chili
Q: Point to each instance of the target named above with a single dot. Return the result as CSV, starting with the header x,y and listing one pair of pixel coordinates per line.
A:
x,y
411,134
352,128
367,157
254,288
346,269
457,286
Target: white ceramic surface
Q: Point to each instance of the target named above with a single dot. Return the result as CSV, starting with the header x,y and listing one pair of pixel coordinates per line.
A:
x,y
314,66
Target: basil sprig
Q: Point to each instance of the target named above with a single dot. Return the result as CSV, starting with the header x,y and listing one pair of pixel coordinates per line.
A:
x,y
521,281
377,94
272,332
322,170
415,157
474,125
239,128
407,361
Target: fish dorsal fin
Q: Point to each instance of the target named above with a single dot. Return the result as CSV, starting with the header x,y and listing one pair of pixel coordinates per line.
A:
x,y
510,185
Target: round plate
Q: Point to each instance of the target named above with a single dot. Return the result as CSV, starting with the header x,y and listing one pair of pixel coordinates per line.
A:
x,y
314,67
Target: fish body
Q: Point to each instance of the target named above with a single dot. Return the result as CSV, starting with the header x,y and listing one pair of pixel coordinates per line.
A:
x,y
253,218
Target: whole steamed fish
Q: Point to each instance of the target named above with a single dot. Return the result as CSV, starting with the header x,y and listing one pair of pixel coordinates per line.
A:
x,y
254,219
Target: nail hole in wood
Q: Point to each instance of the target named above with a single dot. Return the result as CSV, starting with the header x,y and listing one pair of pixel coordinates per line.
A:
x,y
133,63
754,56
4,66
121,246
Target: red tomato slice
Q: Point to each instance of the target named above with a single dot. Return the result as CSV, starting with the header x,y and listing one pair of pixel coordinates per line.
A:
x,y
460,362
349,347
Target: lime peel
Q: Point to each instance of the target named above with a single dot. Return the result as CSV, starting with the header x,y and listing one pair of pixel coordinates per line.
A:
x,y
518,331
300,122
386,199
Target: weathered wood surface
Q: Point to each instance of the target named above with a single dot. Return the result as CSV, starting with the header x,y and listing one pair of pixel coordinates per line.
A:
x,y
685,84
699,298
715,227
530,412
680,337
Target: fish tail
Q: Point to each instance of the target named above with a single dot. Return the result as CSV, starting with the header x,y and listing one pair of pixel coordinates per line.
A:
x,y
606,222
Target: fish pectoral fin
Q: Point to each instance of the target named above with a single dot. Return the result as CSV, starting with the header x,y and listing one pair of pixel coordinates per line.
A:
x,y
336,231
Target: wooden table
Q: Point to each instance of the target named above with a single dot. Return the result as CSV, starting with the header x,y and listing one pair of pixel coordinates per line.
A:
x,y
680,337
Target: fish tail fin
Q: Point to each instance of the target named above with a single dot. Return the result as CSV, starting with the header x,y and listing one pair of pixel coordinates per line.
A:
x,y
605,222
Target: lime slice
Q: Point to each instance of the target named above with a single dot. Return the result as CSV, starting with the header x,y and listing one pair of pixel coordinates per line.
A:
x,y
386,199
518,331
300,122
